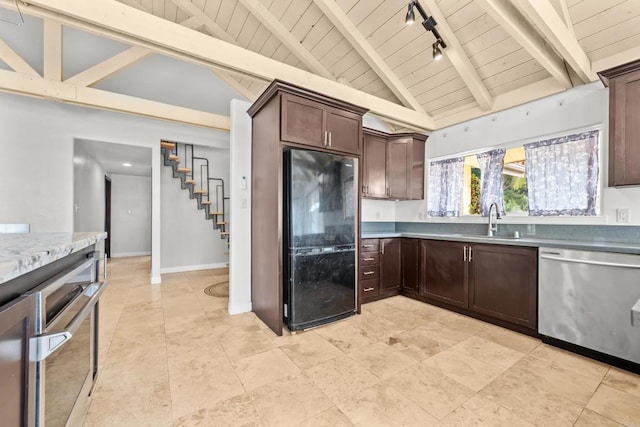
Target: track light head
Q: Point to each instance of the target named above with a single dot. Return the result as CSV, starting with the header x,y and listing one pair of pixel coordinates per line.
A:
x,y
437,53
411,16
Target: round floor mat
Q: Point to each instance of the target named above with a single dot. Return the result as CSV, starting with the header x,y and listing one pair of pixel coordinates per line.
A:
x,y
220,289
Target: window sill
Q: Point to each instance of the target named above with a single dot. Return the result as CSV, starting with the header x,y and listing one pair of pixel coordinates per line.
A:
x,y
569,220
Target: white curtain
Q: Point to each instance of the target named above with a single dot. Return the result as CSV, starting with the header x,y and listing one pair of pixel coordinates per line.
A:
x,y
562,175
491,165
446,181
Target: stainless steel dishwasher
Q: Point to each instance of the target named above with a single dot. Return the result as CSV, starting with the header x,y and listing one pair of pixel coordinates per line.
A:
x,y
591,299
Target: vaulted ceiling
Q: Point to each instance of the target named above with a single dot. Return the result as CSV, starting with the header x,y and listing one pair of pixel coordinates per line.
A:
x,y
500,53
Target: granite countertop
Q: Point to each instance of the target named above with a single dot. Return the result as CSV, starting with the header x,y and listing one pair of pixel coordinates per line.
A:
x,y
21,253
587,245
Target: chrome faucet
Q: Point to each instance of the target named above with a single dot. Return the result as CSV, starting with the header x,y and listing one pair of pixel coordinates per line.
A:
x,y
492,227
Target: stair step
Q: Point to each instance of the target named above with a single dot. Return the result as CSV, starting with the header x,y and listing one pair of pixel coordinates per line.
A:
x,y
173,157
190,181
215,213
168,145
221,222
200,192
185,170
206,202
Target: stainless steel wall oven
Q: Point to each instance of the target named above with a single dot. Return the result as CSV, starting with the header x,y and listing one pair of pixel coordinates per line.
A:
x,y
65,346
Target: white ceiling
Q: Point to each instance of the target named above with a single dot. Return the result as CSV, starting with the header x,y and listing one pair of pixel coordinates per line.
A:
x,y
499,54
112,156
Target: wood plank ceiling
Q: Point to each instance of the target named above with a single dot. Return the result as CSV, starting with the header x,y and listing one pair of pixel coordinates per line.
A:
x,y
496,51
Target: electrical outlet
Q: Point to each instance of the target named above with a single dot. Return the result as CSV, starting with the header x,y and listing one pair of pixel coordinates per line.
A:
x,y
622,215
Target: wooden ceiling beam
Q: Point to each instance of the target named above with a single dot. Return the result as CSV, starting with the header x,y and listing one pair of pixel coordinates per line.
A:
x,y
267,19
15,61
507,16
342,22
11,81
116,20
52,48
109,66
544,16
192,10
459,59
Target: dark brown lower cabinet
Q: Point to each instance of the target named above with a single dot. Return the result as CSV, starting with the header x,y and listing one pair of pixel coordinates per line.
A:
x,y
503,283
444,272
390,265
17,374
410,265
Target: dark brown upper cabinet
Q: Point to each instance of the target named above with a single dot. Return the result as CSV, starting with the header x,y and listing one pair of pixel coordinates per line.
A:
x,y
309,122
374,172
624,126
393,166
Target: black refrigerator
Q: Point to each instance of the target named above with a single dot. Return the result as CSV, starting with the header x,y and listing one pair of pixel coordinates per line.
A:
x,y
319,248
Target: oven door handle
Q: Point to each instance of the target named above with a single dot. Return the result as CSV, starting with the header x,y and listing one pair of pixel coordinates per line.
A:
x,y
46,344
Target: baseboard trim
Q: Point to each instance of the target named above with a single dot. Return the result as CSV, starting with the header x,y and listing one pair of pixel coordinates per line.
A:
x,y
238,308
129,254
193,268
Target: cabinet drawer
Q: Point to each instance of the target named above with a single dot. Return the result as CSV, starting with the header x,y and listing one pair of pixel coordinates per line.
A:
x,y
369,258
369,245
369,289
369,273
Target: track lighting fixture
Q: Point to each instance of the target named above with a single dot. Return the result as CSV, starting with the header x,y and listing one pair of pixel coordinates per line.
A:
x,y
429,24
437,53
411,17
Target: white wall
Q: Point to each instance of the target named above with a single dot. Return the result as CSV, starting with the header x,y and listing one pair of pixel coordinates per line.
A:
x,y
189,239
88,191
240,191
578,108
130,215
36,168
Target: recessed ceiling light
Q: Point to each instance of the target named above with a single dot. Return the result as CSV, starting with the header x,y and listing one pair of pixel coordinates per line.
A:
x,y
127,165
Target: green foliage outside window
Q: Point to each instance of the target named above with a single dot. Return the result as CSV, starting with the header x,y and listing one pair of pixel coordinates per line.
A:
x,y
474,205
515,194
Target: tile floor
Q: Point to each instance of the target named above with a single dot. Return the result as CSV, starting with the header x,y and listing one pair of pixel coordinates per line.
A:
x,y
172,356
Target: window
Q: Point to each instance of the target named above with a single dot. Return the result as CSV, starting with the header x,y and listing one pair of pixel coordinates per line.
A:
x,y
514,184
556,176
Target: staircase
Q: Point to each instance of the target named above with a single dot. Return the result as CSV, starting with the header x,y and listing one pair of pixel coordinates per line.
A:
x,y
194,175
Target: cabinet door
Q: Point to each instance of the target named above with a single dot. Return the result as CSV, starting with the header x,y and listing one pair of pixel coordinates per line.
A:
x,y
17,375
399,168
417,170
410,265
624,139
390,265
345,131
444,271
503,283
303,121
375,167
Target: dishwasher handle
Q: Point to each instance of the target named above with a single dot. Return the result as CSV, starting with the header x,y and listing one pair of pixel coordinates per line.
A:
x,y
46,344
583,261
